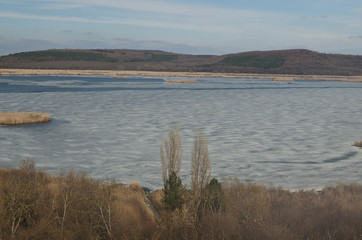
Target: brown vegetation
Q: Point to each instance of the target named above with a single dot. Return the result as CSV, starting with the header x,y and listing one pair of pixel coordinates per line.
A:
x,y
35,205
123,74
253,211
16,118
180,81
283,79
358,144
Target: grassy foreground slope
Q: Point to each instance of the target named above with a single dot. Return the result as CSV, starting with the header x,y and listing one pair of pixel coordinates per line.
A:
x,y
36,205
296,61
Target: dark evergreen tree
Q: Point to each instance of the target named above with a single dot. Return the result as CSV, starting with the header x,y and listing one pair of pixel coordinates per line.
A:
x,y
213,197
174,193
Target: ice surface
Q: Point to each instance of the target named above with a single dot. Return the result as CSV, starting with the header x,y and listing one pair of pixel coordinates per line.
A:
x,y
291,135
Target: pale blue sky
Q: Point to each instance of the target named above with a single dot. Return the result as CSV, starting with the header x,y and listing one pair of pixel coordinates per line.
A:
x,y
196,27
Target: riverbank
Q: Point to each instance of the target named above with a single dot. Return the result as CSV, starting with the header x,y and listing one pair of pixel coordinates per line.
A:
x,y
114,73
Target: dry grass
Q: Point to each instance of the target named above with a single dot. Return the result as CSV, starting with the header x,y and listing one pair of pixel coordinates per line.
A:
x,y
16,118
283,79
178,74
156,199
358,144
180,81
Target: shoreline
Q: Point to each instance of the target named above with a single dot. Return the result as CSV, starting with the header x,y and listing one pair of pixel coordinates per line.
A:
x,y
124,73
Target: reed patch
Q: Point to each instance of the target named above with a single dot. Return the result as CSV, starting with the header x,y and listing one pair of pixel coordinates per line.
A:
x,y
16,118
180,81
358,144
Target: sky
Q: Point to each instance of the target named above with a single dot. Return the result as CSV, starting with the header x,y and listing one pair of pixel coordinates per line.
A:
x,y
187,26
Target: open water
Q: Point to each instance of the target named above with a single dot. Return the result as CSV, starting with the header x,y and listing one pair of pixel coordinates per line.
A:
x,y
293,135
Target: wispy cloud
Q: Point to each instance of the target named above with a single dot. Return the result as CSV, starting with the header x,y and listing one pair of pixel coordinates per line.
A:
x,y
358,37
187,25
159,6
172,15
67,31
60,6
47,18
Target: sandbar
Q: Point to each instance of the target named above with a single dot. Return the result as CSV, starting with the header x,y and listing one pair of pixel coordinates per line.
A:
x,y
125,73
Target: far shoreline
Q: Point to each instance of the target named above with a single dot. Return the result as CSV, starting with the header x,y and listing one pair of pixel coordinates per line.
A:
x,y
124,73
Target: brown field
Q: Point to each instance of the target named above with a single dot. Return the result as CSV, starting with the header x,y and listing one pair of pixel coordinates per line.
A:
x,y
16,118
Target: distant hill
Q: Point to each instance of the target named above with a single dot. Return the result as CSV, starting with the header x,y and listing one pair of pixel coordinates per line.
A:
x,y
296,61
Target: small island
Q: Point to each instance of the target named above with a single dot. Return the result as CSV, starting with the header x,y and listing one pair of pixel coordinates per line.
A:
x,y
283,79
17,118
179,81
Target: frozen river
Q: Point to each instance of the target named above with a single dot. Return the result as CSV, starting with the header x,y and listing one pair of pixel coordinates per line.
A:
x,y
294,135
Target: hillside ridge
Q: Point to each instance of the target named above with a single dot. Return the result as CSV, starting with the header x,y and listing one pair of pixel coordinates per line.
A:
x,y
291,61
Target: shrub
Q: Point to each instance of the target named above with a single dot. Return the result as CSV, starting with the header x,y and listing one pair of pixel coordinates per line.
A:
x,y
213,196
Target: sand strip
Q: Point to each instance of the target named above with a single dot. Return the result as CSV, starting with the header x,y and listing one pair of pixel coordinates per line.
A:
x,y
115,73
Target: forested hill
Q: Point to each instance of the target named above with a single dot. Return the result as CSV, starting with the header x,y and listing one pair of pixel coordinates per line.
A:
x,y
296,61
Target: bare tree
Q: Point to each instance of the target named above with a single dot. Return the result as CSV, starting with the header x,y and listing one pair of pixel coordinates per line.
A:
x,y
19,197
27,165
66,186
171,154
200,163
104,198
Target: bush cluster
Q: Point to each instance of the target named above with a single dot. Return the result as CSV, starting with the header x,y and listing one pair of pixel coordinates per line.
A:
x,y
249,211
36,205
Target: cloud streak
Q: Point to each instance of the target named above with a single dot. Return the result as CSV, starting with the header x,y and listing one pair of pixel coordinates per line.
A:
x,y
45,18
359,37
60,6
163,7
173,15
199,25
